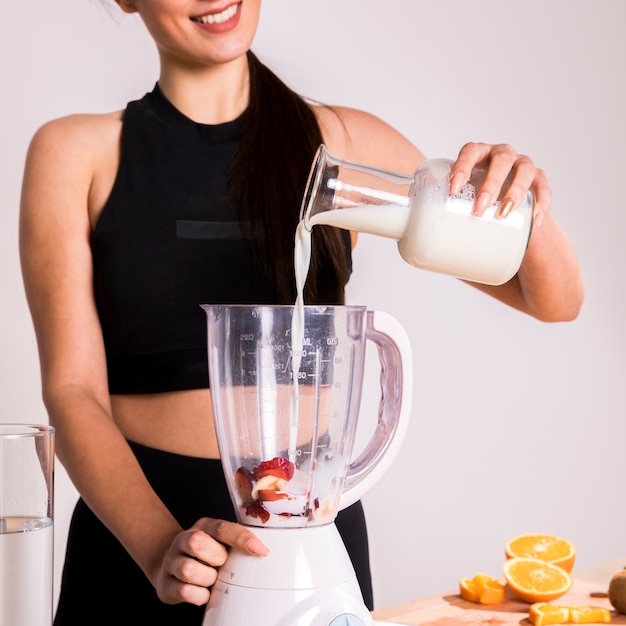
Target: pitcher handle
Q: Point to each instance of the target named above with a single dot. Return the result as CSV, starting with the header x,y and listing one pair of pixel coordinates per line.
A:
x,y
396,381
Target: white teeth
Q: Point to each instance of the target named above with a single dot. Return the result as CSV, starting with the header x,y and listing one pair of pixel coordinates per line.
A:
x,y
218,18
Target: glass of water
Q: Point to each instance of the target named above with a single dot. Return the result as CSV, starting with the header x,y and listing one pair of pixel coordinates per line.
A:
x,y
26,524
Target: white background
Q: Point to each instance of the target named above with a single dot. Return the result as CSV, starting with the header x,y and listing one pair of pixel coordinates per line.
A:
x,y
518,426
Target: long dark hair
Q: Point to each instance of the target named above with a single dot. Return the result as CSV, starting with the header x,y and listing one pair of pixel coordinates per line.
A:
x,y
267,182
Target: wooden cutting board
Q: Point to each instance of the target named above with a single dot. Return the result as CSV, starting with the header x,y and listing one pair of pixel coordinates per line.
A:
x,y
452,610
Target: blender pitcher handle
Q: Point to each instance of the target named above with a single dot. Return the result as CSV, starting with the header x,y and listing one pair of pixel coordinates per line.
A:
x,y
396,380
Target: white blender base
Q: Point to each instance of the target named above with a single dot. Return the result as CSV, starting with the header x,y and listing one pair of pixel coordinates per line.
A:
x,y
307,579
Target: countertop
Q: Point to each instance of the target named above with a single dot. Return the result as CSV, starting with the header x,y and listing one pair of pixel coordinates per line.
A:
x,y
450,609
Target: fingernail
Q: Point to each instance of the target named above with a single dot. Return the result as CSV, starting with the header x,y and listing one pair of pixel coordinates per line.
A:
x,y
482,202
505,208
456,182
538,218
256,546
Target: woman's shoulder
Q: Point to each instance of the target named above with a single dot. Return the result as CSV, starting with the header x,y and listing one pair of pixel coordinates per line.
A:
x,y
77,132
72,158
77,146
366,138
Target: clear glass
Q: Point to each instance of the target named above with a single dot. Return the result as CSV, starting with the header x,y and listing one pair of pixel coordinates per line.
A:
x,y
26,524
286,409
435,231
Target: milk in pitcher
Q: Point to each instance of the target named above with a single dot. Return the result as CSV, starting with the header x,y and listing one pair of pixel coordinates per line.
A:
x,y
434,230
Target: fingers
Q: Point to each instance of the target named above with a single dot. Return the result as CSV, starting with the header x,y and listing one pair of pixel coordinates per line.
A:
x,y
191,564
233,535
183,576
507,177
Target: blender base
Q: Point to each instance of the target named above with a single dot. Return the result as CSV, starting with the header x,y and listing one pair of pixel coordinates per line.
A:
x,y
307,579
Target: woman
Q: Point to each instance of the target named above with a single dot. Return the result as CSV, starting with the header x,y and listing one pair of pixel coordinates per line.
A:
x,y
127,226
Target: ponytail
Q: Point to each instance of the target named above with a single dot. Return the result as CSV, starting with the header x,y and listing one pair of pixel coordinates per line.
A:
x,y
267,182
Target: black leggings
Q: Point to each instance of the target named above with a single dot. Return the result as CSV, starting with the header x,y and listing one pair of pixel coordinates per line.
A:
x,y
101,584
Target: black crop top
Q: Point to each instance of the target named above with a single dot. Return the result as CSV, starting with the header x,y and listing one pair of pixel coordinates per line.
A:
x,y
166,242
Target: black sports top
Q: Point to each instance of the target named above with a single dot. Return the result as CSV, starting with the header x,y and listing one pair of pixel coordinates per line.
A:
x,y
166,242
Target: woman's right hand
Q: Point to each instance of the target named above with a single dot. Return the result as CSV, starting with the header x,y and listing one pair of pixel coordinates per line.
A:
x,y
190,565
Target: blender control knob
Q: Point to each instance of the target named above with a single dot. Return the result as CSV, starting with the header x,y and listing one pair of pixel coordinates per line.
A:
x,y
347,620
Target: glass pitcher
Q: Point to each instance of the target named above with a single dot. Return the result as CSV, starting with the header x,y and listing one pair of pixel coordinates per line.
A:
x,y
435,231
286,392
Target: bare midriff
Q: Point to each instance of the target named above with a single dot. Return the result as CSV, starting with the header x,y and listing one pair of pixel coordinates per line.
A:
x,y
176,421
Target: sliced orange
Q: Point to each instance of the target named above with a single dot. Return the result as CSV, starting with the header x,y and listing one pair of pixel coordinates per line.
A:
x,y
468,590
548,548
490,590
534,580
589,615
542,613
482,589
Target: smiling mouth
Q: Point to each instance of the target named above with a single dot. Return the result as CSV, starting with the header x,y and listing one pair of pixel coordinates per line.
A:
x,y
218,18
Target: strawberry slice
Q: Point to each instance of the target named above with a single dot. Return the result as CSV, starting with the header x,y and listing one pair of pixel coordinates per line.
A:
x,y
243,482
269,495
255,509
278,466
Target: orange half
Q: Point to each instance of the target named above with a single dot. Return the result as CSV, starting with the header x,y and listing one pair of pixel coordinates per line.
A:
x,y
550,548
534,580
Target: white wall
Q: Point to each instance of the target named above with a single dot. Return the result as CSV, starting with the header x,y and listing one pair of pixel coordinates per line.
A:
x,y
517,426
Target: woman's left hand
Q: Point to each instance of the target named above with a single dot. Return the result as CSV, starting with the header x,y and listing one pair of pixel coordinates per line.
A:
x,y
501,161
190,564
